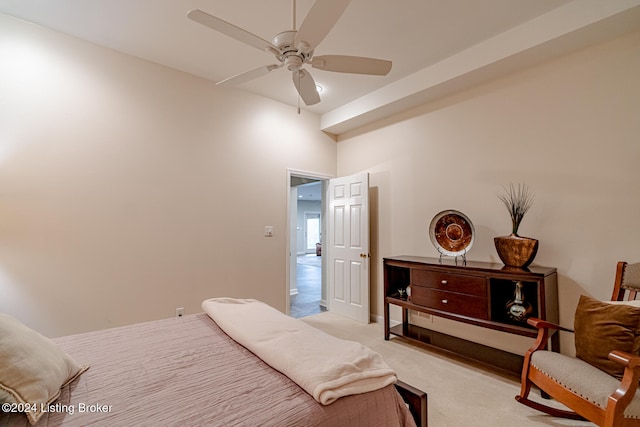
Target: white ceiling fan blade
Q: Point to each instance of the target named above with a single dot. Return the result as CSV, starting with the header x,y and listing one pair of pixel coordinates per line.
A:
x,y
230,30
352,64
306,87
248,75
319,21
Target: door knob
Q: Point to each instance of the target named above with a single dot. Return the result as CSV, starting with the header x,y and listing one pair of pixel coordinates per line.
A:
x,y
365,255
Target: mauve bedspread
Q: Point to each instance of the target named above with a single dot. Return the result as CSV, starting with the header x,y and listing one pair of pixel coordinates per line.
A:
x,y
187,372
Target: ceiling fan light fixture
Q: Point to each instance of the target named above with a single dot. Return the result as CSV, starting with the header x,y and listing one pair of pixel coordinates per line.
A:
x,y
293,62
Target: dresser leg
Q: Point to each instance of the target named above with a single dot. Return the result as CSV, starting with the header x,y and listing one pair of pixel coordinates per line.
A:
x,y
405,321
386,321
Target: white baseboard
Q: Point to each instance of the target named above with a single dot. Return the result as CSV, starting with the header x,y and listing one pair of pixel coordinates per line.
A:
x,y
376,318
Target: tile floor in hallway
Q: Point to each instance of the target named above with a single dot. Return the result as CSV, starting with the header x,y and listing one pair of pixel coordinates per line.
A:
x,y
308,277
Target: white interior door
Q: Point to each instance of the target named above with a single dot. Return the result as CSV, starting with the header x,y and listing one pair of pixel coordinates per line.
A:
x,y
349,246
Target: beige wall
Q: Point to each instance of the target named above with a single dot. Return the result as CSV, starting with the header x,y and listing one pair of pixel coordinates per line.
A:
x,y
568,128
128,189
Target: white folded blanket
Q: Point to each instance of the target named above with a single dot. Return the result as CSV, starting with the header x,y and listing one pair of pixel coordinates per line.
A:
x,y
324,366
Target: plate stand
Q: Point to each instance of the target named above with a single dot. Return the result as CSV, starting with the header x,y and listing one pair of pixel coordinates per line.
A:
x,y
463,256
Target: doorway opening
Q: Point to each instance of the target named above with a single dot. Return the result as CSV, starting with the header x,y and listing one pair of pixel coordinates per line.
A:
x,y
307,226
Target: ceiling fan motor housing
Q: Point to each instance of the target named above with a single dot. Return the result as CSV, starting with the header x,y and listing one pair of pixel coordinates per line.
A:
x,y
292,56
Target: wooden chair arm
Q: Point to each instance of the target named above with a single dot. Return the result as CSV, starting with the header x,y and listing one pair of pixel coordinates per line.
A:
x,y
543,332
620,399
625,359
543,324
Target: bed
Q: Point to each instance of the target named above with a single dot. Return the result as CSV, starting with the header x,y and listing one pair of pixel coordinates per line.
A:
x,y
188,372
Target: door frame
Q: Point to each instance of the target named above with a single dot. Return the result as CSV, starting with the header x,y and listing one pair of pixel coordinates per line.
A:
x,y
312,175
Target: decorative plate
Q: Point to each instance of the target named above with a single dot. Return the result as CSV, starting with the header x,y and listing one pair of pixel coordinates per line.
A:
x,y
452,233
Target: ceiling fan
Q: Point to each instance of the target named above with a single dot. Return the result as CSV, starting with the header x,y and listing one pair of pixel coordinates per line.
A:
x,y
294,48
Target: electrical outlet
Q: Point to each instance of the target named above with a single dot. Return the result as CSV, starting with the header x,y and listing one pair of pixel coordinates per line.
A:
x,y
268,231
179,311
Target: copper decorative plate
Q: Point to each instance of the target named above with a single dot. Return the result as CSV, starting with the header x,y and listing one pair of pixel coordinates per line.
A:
x,y
452,233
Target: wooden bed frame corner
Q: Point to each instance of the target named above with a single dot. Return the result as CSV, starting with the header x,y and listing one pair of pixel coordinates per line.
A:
x,y
416,399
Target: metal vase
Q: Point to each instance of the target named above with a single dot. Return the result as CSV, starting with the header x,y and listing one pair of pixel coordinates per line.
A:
x,y
518,309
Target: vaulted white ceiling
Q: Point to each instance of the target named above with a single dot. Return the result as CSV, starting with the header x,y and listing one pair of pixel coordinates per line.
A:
x,y
436,46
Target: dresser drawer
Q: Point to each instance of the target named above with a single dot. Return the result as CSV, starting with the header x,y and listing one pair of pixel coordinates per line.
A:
x,y
450,302
470,285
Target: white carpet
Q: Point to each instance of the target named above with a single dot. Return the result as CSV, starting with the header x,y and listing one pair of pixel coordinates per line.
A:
x,y
459,393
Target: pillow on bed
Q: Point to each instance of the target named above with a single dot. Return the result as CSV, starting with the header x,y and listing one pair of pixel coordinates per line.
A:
x,y
601,327
32,367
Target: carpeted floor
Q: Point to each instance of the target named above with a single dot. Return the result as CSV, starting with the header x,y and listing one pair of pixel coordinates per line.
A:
x,y
459,393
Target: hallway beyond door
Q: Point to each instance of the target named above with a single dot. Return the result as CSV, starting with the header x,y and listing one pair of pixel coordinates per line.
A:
x,y
309,283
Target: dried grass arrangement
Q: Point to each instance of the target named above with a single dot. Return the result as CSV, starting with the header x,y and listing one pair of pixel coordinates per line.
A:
x,y
518,200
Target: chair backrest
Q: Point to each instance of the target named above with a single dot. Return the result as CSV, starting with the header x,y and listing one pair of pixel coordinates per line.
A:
x,y
627,281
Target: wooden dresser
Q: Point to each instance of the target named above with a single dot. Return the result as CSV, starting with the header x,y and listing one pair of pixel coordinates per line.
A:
x,y
476,293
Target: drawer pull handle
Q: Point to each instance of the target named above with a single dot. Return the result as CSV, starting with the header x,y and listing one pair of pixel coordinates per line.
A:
x,y
444,301
444,282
